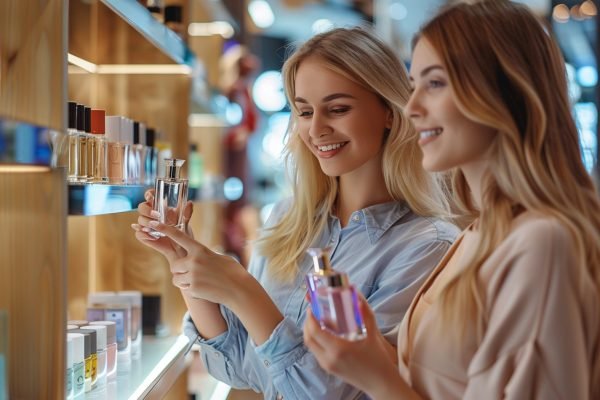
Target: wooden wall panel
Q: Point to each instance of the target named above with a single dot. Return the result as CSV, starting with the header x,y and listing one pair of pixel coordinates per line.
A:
x,y
32,61
33,208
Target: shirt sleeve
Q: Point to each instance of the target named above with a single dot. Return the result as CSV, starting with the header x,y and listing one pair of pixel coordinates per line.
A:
x,y
296,373
223,354
534,346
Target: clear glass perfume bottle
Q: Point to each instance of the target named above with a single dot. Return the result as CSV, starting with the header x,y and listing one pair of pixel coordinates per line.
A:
x,y
333,299
170,195
73,147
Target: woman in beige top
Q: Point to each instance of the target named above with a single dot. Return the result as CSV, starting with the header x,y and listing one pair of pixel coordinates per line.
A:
x,y
513,310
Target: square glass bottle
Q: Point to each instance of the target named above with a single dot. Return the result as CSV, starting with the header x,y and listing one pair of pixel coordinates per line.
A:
x,y
170,195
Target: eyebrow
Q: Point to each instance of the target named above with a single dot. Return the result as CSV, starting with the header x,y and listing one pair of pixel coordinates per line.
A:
x,y
427,70
325,99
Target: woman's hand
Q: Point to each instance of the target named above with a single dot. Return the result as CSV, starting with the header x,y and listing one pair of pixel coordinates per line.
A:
x,y
366,364
200,272
163,244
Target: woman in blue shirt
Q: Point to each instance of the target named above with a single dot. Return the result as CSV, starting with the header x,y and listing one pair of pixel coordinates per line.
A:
x,y
358,187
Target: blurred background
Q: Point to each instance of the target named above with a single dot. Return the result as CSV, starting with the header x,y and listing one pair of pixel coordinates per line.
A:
x,y
267,28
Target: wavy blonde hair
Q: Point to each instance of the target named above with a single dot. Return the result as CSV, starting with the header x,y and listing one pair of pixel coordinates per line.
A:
x,y
361,57
506,72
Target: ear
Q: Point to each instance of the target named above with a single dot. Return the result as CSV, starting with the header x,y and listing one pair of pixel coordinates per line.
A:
x,y
389,119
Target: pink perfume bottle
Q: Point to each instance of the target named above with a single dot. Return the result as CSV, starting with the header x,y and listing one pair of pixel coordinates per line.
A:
x,y
334,300
170,195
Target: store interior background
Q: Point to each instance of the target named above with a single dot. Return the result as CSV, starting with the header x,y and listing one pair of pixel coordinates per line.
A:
x,y
54,51
573,22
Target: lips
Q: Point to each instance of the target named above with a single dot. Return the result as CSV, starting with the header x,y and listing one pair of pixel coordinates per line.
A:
x,y
429,135
329,150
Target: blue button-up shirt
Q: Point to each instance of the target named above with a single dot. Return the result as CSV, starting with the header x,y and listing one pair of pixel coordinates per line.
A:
x,y
387,252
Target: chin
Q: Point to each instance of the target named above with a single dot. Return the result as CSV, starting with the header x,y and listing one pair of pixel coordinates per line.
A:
x,y
434,165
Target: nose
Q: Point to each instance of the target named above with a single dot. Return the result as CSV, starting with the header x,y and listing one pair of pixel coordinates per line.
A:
x,y
319,127
413,108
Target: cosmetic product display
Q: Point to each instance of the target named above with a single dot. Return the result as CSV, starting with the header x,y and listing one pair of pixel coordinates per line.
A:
x,y
333,299
151,163
77,362
139,151
91,357
135,300
156,9
170,195
3,355
107,306
111,346
97,128
100,351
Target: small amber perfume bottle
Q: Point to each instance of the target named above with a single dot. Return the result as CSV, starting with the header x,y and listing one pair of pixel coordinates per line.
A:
x,y
170,196
333,299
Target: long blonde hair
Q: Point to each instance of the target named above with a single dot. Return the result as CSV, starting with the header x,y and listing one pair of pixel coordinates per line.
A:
x,y
506,72
361,57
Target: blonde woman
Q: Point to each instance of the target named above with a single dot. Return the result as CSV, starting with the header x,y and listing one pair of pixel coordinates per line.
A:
x,y
513,309
358,187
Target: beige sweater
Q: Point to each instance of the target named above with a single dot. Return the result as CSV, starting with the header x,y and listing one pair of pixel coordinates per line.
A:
x,y
542,339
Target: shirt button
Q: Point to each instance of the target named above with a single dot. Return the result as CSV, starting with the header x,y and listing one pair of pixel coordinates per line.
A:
x,y
356,218
267,363
217,354
279,396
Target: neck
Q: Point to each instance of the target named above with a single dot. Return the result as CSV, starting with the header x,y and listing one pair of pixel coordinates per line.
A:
x,y
473,173
356,193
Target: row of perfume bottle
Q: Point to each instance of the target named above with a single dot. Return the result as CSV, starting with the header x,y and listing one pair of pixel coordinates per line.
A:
x,y
103,345
106,149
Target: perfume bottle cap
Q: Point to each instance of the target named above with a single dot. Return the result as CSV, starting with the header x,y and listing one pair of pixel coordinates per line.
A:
x,y
111,330
80,117
98,119
173,168
150,137
72,115
88,120
78,347
113,128
320,257
100,335
136,132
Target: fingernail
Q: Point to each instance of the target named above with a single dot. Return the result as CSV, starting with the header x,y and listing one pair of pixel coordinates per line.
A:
x,y
154,224
135,227
147,230
154,214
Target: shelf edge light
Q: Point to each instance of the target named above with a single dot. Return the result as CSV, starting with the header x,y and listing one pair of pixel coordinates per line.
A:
x,y
222,28
129,69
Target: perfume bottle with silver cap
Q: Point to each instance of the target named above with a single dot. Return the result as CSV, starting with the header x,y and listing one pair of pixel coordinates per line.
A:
x,y
170,195
334,300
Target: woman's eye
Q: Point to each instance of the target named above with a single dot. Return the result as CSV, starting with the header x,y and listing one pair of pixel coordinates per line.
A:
x,y
340,110
305,114
436,84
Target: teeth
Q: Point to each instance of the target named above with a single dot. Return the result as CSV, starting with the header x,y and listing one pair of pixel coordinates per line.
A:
x,y
330,147
430,133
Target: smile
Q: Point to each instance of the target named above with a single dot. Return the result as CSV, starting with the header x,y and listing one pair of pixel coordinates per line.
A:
x,y
331,147
431,133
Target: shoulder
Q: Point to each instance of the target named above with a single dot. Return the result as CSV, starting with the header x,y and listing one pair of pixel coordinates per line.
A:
x,y
539,235
427,229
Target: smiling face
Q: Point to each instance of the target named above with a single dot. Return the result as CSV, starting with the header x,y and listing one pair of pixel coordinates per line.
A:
x,y
448,138
341,122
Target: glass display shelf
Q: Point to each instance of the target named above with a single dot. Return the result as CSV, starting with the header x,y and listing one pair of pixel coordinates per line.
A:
x,y
139,18
99,199
152,375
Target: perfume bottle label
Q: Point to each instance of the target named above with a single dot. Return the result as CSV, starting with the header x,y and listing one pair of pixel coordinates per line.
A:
x,y
119,317
79,377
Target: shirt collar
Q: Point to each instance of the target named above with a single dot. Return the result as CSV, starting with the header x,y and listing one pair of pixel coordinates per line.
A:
x,y
379,218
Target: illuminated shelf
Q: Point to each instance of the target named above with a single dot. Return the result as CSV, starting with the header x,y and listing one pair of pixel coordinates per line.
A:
x,y
152,375
98,199
138,17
